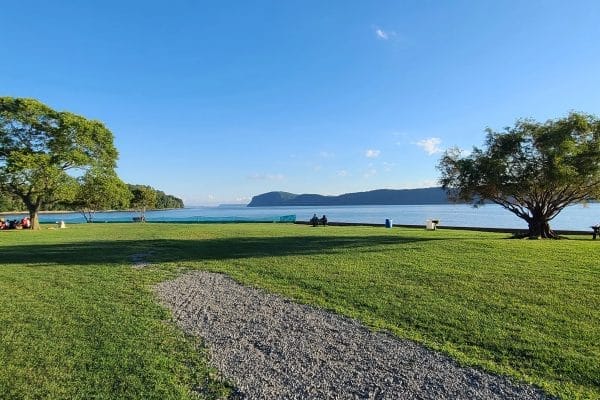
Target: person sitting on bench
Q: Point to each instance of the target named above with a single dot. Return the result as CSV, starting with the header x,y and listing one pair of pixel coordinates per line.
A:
x,y
314,220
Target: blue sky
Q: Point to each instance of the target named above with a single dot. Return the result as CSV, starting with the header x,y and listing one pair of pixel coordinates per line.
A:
x,y
218,101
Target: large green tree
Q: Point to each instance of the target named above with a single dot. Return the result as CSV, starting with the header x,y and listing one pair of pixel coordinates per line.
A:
x,y
143,197
43,150
101,190
533,169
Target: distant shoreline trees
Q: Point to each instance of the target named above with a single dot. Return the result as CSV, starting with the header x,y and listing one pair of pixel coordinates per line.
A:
x,y
163,200
10,203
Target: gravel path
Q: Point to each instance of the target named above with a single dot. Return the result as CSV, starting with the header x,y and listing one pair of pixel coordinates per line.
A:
x,y
272,348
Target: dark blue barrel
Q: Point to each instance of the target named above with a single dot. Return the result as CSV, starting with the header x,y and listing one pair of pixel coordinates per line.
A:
x,y
388,223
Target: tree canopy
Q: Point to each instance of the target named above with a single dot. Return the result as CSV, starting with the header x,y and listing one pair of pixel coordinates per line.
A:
x,y
101,190
143,197
163,200
43,150
533,169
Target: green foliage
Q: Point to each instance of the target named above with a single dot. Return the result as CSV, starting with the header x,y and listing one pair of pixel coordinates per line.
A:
x,y
40,146
42,151
79,322
143,197
164,200
159,200
533,169
101,190
10,202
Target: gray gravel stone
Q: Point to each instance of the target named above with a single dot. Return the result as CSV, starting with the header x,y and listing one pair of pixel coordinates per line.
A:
x,y
272,348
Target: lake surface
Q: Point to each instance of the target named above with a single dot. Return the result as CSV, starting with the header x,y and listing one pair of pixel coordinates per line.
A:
x,y
572,218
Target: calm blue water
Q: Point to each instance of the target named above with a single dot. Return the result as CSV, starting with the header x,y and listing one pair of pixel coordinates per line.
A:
x,y
574,217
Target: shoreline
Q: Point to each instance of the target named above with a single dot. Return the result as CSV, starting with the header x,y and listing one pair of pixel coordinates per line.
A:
x,y
513,231
449,227
181,216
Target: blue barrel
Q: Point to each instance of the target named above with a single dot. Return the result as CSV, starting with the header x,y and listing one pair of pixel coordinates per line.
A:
x,y
388,223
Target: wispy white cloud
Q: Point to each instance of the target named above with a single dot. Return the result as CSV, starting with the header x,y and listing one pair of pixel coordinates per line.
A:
x,y
370,153
430,145
326,154
342,173
266,177
383,34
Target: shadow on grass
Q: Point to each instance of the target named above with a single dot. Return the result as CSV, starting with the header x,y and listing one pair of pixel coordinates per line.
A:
x,y
172,250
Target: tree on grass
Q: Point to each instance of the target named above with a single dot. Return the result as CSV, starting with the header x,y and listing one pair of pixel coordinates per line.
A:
x,y
143,197
43,150
533,169
101,190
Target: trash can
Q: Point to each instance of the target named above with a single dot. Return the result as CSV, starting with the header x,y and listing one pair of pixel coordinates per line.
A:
x,y
388,223
431,224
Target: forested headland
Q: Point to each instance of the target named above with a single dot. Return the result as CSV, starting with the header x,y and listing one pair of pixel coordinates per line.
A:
x,y
433,195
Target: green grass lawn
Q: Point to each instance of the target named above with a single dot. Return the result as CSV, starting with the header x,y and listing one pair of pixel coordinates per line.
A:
x,y
76,321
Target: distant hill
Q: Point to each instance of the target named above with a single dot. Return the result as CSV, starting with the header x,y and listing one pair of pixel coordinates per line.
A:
x,y
433,195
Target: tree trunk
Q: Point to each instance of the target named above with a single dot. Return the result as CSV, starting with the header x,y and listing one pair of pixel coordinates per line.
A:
x,y
82,212
34,216
539,228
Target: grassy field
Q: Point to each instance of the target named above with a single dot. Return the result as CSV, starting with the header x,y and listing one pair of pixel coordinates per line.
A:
x,y
76,321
